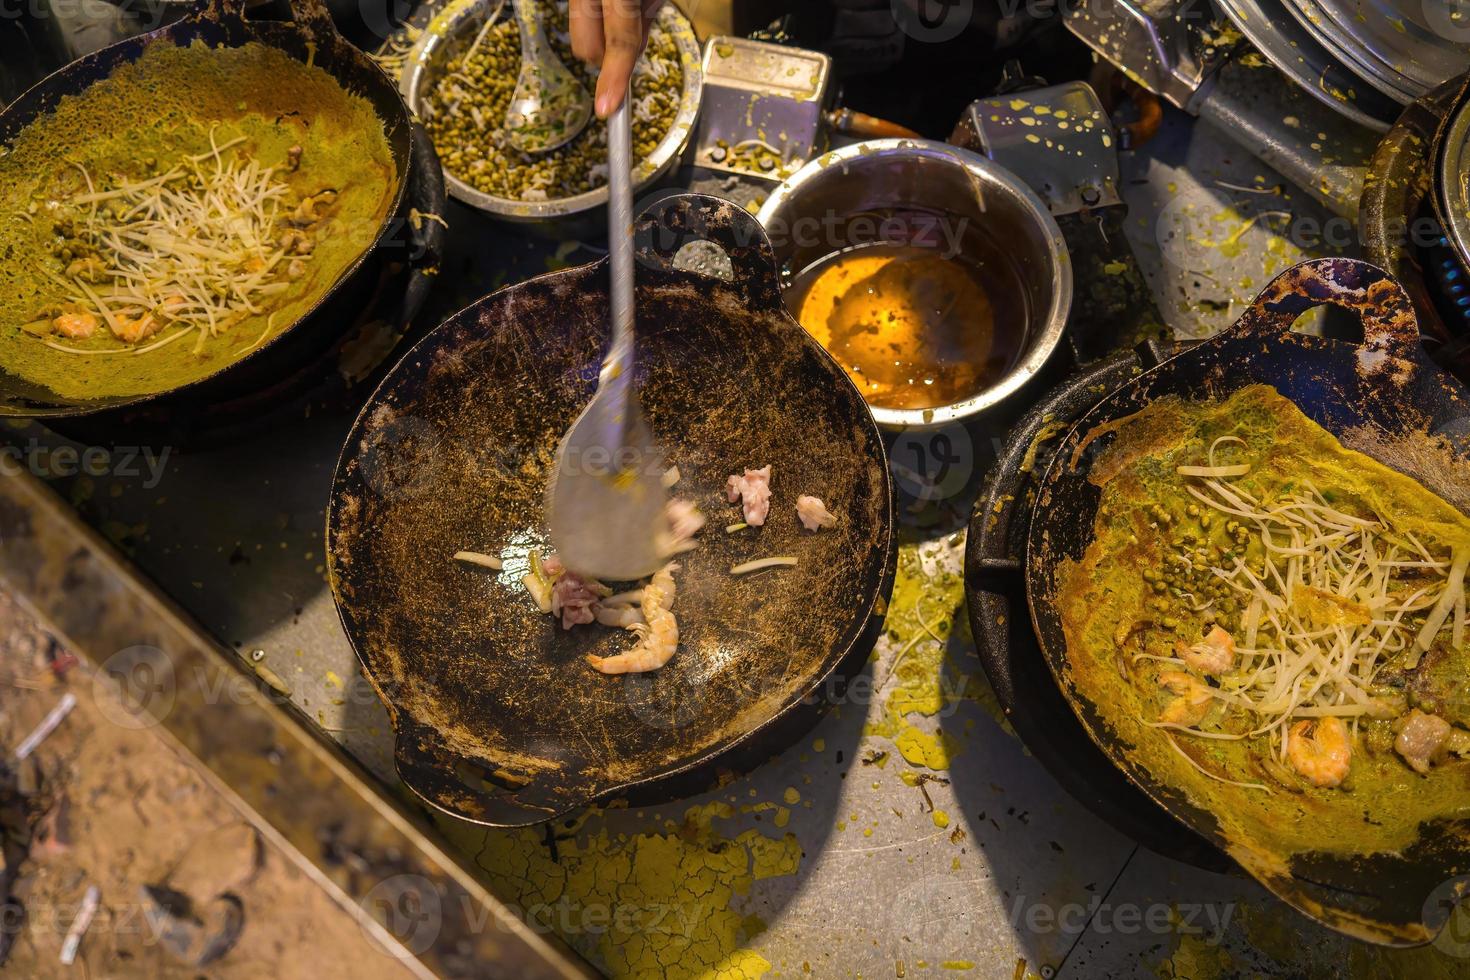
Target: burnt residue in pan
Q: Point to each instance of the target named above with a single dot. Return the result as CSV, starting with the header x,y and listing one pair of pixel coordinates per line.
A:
x,y
498,716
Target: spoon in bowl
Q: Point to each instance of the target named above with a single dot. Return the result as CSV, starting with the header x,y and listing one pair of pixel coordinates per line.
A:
x,y
606,498
550,106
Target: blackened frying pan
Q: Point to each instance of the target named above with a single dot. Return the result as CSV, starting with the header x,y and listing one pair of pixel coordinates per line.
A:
x,y
311,39
1387,386
498,718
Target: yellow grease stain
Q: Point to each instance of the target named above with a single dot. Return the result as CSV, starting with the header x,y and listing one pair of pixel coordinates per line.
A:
x,y
656,903
1196,958
917,674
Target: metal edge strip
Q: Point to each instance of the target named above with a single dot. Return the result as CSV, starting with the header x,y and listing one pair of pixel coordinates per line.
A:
x,y
300,791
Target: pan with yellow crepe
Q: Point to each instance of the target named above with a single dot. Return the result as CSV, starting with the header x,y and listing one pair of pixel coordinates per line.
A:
x,y
1246,568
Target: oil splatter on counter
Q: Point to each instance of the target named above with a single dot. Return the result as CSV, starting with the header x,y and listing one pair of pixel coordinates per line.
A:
x,y
900,836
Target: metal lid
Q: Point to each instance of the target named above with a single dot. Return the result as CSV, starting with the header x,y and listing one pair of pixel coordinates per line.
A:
x,y
1301,57
1403,48
1453,181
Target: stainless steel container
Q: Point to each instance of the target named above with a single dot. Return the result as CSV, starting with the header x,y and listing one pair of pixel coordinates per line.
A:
x,y
455,27
821,208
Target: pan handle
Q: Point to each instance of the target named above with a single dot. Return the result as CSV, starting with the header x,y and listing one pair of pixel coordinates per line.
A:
x,y
670,223
1389,324
467,788
311,14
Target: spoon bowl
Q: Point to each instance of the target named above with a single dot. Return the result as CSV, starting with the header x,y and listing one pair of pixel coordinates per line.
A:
x,y
550,105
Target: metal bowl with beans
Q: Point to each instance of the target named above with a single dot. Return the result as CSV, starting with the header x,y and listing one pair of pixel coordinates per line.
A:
x,y
460,78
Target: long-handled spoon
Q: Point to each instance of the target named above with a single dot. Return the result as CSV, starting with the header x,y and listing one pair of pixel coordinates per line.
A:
x,y
606,498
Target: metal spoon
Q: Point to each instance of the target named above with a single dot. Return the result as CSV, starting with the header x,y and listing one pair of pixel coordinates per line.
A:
x,y
606,498
549,106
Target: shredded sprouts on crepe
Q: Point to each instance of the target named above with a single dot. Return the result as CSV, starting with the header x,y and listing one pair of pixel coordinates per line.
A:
x,y
199,247
1332,602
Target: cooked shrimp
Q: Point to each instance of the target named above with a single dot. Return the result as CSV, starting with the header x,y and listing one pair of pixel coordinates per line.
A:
x,y
658,635
1215,654
813,513
78,326
625,617
1320,750
130,330
753,490
1192,698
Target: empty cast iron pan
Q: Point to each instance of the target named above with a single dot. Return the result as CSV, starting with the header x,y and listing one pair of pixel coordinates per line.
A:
x,y
498,718
1387,386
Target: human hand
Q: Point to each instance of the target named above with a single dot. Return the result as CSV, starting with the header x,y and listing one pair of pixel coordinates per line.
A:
x,y
611,33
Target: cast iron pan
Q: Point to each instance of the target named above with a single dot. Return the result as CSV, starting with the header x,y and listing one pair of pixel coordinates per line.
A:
x,y
995,596
1387,385
497,717
311,38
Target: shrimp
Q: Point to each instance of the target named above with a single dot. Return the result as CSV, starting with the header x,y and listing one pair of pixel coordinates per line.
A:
x,y
78,326
658,635
625,617
131,331
1320,750
1215,654
1192,698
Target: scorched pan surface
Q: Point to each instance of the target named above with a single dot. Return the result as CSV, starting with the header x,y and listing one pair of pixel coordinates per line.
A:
x,y
498,717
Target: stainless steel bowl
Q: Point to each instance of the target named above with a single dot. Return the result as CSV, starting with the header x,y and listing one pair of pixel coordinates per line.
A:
x,y
813,213
455,27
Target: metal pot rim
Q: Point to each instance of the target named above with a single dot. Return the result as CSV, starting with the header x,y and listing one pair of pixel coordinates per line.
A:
x,y
1049,326
445,26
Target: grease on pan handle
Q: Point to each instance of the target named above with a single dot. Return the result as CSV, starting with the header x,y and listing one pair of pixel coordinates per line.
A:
x,y
1389,323
671,222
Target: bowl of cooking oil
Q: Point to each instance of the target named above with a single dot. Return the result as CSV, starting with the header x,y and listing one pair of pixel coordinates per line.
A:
x,y
936,278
